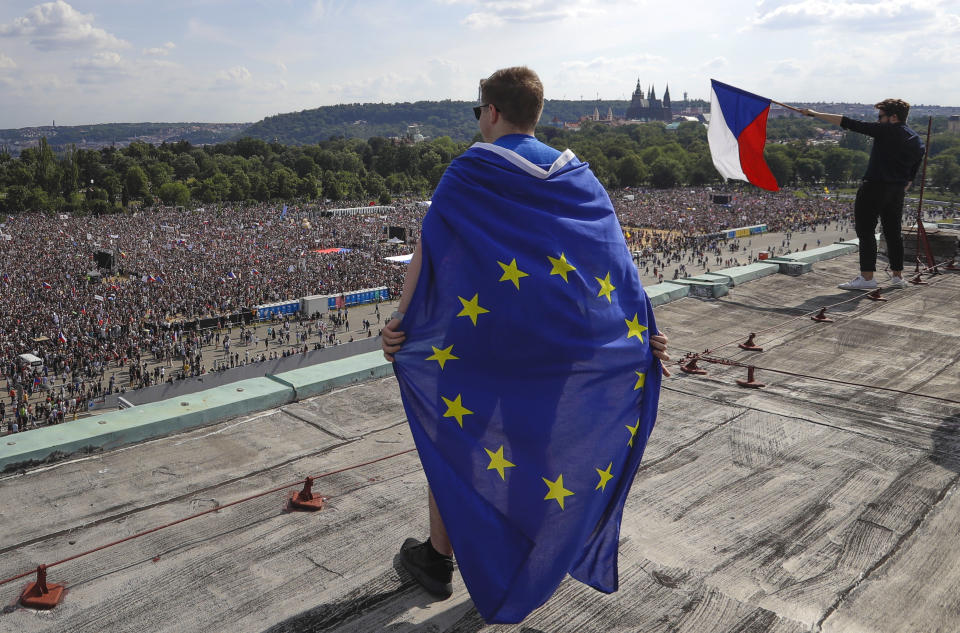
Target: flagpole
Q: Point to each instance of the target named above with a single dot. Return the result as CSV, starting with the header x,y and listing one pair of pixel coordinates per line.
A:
x,y
789,107
921,230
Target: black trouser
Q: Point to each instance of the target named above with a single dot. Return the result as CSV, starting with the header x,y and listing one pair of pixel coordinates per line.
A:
x,y
883,201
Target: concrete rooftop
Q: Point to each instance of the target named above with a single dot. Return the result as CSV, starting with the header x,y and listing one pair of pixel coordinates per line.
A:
x,y
805,506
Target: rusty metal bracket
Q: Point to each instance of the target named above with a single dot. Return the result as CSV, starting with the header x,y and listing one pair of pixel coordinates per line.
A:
x,y
39,594
691,368
305,499
821,317
750,382
749,345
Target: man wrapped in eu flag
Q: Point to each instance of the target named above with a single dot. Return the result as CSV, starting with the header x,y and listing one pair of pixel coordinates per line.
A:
x,y
529,366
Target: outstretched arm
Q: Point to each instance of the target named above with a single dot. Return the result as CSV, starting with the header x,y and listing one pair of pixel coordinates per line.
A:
x,y
833,119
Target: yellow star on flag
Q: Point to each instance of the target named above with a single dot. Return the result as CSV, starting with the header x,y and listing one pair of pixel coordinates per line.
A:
x,y
556,490
497,461
560,266
641,379
471,308
606,287
442,355
455,409
512,273
632,429
635,328
605,476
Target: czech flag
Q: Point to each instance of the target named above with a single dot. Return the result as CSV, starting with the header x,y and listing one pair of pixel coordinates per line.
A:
x,y
62,338
231,275
46,286
737,133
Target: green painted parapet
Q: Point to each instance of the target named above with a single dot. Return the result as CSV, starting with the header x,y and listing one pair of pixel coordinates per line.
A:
x,y
665,292
819,254
704,289
791,266
714,278
148,421
317,379
742,274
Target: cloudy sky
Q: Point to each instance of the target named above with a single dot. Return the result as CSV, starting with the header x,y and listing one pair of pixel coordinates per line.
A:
x,y
98,61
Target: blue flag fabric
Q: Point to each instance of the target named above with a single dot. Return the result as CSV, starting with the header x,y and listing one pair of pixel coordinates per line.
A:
x,y
527,375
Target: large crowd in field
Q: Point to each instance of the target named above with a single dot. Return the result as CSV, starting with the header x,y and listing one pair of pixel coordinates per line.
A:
x,y
93,333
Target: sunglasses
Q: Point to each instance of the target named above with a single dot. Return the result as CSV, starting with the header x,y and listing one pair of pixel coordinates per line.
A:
x,y
478,110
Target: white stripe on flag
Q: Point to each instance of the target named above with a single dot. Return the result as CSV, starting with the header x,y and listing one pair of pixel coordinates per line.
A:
x,y
724,148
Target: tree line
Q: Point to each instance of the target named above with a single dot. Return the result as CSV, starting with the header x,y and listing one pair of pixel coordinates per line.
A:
x,y
647,154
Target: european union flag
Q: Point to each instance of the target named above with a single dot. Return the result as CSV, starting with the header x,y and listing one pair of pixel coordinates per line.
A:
x,y
527,375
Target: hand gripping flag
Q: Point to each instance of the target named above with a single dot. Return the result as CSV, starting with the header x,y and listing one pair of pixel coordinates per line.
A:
x,y
737,133
527,375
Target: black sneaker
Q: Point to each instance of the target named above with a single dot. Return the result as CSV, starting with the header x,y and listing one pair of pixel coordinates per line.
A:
x,y
432,570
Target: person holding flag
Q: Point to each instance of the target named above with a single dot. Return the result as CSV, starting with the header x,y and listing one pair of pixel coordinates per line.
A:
x,y
894,160
528,363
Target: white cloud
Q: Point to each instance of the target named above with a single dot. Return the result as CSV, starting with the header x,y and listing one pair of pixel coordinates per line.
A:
x,y
858,15
494,13
317,10
237,75
102,67
482,20
200,30
787,67
603,64
438,76
160,50
6,62
57,25
715,64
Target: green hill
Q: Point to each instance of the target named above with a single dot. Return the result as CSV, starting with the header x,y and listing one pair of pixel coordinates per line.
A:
x,y
434,118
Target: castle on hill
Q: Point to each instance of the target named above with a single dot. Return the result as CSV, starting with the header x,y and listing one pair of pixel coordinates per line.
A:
x,y
649,108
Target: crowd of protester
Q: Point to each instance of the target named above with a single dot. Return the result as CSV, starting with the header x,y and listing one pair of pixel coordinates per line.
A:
x,y
176,266
172,267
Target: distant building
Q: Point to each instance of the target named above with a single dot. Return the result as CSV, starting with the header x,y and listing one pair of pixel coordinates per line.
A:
x,y
649,108
953,123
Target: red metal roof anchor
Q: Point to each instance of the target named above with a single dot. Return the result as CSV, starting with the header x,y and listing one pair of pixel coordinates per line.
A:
x,y
305,499
876,296
750,382
750,345
917,280
691,368
951,265
822,317
40,595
